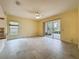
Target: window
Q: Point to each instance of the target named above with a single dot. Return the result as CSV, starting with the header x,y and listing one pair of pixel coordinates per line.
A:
x,y
14,28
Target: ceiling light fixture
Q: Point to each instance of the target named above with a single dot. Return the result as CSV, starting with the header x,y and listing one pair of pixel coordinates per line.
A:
x,y
37,15
18,2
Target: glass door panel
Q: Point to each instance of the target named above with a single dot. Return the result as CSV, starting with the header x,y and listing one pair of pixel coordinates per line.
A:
x,y
52,28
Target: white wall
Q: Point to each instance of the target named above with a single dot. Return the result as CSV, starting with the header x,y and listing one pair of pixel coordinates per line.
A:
x,y
2,13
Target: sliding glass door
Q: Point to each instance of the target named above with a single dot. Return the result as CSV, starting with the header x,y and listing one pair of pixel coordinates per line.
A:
x,y
52,28
56,27
49,28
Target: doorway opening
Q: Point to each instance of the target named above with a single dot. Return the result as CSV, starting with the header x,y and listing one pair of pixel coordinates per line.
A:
x,y
52,29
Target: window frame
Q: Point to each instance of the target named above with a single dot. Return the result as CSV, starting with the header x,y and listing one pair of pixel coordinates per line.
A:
x,y
17,32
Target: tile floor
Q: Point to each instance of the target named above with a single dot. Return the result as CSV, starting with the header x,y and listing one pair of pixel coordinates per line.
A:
x,y
38,48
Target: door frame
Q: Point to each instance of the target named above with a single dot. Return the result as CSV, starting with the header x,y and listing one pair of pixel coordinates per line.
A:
x,y
49,21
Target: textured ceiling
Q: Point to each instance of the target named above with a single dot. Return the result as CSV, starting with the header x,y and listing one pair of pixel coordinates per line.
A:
x,y
27,8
